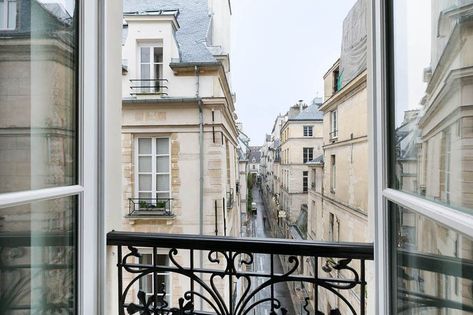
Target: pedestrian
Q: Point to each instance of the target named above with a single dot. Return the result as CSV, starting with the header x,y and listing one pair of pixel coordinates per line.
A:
x,y
264,221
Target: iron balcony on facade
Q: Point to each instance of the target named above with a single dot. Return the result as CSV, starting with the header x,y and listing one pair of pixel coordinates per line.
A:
x,y
150,207
333,135
149,87
220,275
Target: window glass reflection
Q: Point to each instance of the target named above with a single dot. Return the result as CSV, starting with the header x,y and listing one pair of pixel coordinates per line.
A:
x,y
38,258
38,94
433,266
433,100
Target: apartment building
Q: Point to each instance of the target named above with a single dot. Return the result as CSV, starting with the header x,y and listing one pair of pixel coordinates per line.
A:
x,y
254,159
301,140
179,134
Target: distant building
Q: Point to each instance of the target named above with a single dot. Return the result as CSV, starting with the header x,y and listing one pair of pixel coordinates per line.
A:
x,y
254,159
301,141
179,134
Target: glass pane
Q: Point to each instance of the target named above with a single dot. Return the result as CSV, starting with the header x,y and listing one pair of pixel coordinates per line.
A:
x,y
142,195
144,164
144,146
433,266
145,54
158,54
162,196
162,145
2,8
38,249
11,14
145,73
162,182
432,91
163,164
38,98
145,182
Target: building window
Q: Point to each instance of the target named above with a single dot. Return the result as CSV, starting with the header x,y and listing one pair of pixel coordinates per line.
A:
x,y
314,174
308,131
333,125
305,181
163,278
153,169
151,69
308,154
8,14
333,173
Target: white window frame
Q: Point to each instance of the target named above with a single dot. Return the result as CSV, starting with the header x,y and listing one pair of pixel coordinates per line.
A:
x,y
308,131
168,289
152,62
309,152
334,124
154,192
6,6
92,154
380,194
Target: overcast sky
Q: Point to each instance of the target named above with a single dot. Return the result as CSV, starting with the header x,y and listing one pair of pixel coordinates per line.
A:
x,y
280,51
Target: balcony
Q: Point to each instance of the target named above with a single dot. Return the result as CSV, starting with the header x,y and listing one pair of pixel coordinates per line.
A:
x,y
333,135
226,280
149,87
150,207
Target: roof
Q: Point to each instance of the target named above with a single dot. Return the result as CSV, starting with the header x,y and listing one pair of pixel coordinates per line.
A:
x,y
310,113
317,161
194,23
255,153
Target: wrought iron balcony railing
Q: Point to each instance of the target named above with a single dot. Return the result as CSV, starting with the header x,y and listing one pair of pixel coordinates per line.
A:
x,y
149,207
222,275
149,87
333,135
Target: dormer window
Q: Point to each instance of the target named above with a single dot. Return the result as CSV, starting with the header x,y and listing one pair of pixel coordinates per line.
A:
x,y
336,80
7,14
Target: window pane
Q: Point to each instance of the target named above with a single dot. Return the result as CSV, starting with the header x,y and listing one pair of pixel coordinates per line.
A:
x,y
162,196
145,182
145,54
38,99
158,54
162,146
11,14
145,73
163,164
2,8
433,266
433,94
144,163
162,182
38,249
144,146
142,195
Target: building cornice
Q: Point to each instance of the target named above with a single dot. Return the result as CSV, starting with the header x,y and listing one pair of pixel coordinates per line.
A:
x,y
353,87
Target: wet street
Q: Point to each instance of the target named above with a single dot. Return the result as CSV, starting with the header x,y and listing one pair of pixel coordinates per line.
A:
x,y
261,229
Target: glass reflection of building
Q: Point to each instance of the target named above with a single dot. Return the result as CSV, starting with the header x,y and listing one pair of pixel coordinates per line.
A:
x,y
38,148
434,146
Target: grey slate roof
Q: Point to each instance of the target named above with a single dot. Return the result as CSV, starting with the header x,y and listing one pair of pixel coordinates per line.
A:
x,y
254,153
310,113
317,161
194,22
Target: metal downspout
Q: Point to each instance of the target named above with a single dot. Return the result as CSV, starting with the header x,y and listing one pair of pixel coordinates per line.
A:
x,y
201,167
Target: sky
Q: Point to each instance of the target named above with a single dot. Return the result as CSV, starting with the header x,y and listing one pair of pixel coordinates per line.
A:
x,y
280,51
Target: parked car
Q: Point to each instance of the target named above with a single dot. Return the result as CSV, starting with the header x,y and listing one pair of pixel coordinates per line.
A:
x,y
254,209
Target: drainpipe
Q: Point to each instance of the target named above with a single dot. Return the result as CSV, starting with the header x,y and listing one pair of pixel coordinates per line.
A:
x,y
201,152
201,167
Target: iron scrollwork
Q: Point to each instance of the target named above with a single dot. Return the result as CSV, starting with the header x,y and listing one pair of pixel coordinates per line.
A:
x,y
214,286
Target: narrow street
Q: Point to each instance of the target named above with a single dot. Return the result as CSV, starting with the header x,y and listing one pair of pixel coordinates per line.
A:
x,y
261,229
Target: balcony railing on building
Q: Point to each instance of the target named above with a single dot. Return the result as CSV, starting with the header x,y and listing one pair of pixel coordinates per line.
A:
x,y
333,135
220,275
149,87
149,207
